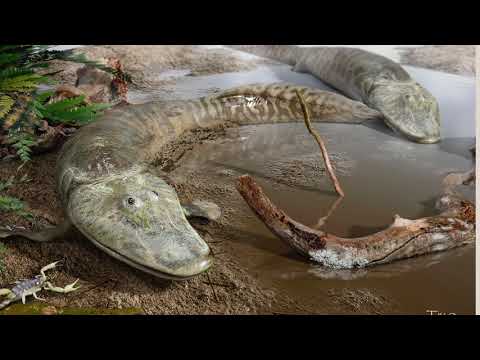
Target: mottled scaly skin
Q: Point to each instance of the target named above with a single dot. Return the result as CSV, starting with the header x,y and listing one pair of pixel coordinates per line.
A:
x,y
112,195
377,81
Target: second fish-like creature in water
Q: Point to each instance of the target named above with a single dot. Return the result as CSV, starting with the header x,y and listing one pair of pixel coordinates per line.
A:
x,y
380,83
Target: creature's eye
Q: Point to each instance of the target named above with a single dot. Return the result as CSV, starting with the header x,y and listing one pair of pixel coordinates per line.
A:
x,y
131,201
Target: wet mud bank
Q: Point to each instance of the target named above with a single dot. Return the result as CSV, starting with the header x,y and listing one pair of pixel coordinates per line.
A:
x,y
381,175
254,272
156,65
455,59
110,286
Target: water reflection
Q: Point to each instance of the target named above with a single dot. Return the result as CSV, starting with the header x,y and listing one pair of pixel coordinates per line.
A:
x,y
381,173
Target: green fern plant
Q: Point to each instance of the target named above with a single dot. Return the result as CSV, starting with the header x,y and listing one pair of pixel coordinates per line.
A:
x,y
22,143
72,111
5,185
6,104
10,204
19,77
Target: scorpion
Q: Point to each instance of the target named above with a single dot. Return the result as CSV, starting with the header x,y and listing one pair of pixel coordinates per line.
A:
x,y
24,288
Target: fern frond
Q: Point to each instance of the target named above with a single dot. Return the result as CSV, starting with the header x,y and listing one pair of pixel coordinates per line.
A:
x,y
22,83
12,72
11,204
71,111
22,108
23,144
65,104
9,59
76,116
6,104
43,97
23,115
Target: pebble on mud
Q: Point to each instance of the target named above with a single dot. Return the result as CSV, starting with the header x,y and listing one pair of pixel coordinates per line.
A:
x,y
50,310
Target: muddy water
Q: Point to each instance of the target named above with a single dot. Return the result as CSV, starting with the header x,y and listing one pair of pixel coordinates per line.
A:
x,y
382,175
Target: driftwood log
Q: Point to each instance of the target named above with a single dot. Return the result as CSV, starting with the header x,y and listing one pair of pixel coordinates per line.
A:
x,y
453,227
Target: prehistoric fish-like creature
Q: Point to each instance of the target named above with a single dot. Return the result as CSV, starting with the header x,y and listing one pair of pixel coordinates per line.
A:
x,y
380,83
115,197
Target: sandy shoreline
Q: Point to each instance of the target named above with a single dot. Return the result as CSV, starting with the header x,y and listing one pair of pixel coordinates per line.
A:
x,y
455,59
107,283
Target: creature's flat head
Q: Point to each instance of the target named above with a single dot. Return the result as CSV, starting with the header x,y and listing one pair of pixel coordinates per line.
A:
x,y
409,109
138,219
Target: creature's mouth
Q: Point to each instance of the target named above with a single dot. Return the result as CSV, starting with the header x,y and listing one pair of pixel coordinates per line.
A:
x,y
408,109
204,265
162,243
409,136
428,140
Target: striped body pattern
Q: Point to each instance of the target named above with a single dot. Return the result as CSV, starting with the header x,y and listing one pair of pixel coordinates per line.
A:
x,y
380,83
113,195
129,138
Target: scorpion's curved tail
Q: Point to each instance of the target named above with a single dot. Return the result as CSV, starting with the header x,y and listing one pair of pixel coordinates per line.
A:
x,y
4,304
7,301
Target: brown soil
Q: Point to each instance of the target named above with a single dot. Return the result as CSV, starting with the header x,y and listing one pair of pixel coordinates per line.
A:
x,y
455,59
361,301
140,61
228,288
107,283
219,186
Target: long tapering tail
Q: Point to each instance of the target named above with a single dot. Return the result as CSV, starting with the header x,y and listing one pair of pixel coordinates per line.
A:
x,y
10,298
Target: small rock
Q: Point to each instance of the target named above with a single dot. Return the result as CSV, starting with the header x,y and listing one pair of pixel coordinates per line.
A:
x,y
49,310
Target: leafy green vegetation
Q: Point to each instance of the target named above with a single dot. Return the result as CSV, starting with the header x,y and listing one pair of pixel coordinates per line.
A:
x,y
23,106
72,111
11,204
4,185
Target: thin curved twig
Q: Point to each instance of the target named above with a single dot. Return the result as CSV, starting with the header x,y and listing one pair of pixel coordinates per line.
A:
x,y
320,142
